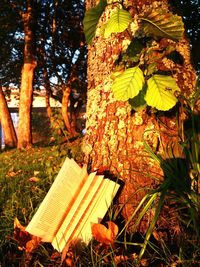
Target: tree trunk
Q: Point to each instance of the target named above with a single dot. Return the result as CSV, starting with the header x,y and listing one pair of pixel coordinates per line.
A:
x,y
26,90
65,104
48,93
114,133
10,138
75,111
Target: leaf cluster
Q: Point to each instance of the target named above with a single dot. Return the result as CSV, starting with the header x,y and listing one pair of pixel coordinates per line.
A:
x,y
137,77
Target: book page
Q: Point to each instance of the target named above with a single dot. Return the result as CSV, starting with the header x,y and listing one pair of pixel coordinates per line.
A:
x,y
96,210
58,200
97,206
71,221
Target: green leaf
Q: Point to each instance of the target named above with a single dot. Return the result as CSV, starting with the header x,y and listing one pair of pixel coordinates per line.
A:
x,y
138,102
151,68
91,19
128,84
161,23
119,69
134,48
118,22
160,92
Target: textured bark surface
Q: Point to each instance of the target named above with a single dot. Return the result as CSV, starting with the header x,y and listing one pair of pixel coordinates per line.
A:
x,y
114,138
10,138
26,90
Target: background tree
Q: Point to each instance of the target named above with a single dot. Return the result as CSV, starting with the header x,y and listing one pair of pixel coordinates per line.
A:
x,y
116,132
10,138
26,90
9,59
64,53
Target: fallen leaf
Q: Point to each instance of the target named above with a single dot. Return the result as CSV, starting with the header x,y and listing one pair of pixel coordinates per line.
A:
x,y
20,235
36,173
103,234
34,179
13,174
25,240
144,262
55,255
69,262
32,244
17,224
120,258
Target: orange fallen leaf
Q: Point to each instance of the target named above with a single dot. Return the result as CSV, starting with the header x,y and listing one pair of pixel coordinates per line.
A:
x,y
34,179
24,239
103,234
20,235
69,262
17,224
32,244
55,255
13,174
120,258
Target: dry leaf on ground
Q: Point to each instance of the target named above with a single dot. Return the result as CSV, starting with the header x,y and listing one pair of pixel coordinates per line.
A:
x,y
34,179
24,239
103,234
32,244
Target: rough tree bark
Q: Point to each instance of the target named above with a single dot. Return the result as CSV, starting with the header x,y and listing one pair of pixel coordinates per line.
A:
x,y
26,90
10,138
114,132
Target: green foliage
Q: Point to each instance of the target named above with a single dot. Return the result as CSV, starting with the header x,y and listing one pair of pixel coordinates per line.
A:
x,y
157,23
128,84
138,102
128,78
160,23
91,20
160,92
134,49
118,22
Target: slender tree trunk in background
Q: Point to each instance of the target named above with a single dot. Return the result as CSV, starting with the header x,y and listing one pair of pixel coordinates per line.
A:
x,y
10,138
53,122
48,93
26,90
65,104
114,134
75,111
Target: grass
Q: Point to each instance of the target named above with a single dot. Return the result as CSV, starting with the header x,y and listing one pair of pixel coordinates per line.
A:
x,y
25,177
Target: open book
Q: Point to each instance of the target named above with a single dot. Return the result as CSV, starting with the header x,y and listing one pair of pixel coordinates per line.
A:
x,y
74,201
